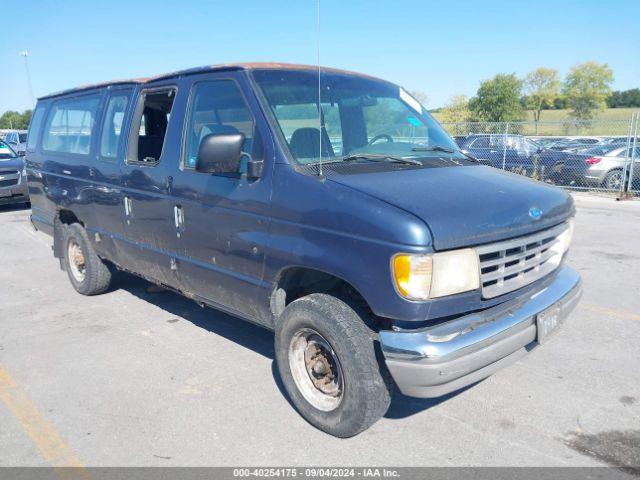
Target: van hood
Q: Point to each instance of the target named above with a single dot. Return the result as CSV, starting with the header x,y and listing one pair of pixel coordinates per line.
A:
x,y
467,205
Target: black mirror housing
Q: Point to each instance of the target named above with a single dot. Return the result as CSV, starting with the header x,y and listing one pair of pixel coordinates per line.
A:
x,y
254,168
220,153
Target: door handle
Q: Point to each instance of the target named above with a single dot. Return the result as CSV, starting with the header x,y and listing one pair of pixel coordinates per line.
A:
x,y
178,216
127,206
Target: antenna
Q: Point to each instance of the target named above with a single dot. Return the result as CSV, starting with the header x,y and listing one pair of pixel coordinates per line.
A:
x,y
319,96
25,55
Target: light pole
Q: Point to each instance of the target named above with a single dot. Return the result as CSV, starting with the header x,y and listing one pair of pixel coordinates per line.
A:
x,y
25,55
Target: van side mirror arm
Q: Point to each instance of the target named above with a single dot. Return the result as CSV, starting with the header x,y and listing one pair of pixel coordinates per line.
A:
x,y
254,167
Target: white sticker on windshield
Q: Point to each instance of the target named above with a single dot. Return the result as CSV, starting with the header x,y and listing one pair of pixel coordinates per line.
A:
x,y
409,100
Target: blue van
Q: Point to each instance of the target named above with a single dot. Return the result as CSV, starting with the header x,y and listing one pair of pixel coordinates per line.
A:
x,y
326,205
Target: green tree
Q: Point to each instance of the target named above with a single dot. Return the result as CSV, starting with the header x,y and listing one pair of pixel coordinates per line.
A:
x,y
420,96
625,98
498,99
586,89
456,110
15,120
560,103
542,87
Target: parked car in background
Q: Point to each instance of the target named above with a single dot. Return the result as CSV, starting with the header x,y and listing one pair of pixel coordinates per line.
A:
x,y
546,142
611,140
513,152
13,176
575,142
494,149
599,167
17,140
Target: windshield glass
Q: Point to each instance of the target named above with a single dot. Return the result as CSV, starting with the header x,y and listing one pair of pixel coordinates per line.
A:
x,y
360,117
6,152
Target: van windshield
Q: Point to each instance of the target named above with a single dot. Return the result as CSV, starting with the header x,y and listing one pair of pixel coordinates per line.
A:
x,y
361,118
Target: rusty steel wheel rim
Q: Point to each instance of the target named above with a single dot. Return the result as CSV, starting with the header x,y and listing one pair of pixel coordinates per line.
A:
x,y
316,369
76,260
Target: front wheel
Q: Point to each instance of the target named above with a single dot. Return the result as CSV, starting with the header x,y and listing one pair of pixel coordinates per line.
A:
x,y
326,359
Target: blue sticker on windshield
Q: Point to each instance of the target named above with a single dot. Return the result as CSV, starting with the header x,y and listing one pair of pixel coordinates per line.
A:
x,y
414,121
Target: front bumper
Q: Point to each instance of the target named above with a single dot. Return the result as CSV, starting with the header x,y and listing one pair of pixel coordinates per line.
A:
x,y
18,193
434,361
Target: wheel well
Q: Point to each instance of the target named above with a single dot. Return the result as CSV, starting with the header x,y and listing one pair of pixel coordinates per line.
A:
x,y
63,217
67,217
297,282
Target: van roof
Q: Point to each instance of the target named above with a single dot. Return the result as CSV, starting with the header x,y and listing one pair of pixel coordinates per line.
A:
x,y
196,70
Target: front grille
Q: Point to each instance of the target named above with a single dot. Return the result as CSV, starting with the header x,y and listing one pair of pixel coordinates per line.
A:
x,y
512,264
9,178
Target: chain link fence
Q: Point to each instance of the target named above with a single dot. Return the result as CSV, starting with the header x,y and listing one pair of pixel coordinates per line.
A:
x,y
598,155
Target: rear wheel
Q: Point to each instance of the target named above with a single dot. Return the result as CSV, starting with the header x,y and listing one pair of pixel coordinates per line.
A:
x,y
326,359
613,180
88,274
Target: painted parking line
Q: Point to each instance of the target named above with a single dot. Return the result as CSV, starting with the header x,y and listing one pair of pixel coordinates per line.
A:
x,y
623,314
52,446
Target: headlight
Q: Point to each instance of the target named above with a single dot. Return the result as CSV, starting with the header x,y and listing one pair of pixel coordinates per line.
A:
x,y
420,277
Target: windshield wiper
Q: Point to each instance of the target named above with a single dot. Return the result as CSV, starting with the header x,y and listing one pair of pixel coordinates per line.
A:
x,y
439,148
380,158
470,157
434,148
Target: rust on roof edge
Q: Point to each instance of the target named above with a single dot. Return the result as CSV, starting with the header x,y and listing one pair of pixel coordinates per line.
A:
x,y
209,68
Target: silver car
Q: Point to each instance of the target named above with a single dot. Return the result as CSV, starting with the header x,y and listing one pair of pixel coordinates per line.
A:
x,y
594,168
17,139
13,177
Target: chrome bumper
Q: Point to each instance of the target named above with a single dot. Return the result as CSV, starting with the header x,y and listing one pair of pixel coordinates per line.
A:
x,y
437,360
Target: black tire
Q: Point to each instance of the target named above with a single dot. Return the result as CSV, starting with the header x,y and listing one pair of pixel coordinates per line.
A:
x,y
366,392
609,182
97,275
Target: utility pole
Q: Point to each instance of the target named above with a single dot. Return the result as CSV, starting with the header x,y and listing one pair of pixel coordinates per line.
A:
x,y
25,54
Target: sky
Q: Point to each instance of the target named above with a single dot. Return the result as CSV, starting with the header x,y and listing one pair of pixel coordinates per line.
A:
x,y
441,48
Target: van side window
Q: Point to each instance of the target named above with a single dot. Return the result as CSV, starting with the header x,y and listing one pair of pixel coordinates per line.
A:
x,y
70,125
112,126
149,126
217,107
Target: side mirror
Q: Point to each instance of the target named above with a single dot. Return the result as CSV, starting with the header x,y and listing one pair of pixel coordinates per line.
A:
x,y
22,153
220,153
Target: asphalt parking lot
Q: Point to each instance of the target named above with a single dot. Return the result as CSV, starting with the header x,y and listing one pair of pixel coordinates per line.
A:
x,y
133,378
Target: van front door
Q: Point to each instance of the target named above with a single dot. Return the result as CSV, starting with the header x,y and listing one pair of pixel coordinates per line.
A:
x,y
221,220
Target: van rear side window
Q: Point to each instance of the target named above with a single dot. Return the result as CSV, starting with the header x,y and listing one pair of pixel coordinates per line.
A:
x,y
70,125
149,127
112,126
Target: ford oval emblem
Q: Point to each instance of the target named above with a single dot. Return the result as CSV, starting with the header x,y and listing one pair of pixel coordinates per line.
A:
x,y
535,213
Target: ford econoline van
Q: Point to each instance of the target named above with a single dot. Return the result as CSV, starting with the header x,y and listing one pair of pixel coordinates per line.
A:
x,y
326,205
